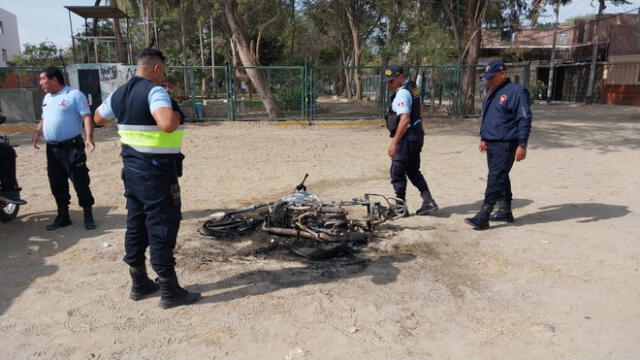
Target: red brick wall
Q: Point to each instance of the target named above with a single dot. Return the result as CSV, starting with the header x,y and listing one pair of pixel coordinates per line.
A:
x,y
621,94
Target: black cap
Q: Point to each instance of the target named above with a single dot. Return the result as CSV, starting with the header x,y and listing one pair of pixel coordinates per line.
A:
x,y
493,68
391,72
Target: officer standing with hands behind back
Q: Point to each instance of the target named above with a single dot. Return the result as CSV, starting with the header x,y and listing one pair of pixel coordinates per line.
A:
x,y
151,131
404,122
504,133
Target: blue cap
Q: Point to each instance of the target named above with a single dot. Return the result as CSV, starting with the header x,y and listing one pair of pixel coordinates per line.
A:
x,y
391,72
493,68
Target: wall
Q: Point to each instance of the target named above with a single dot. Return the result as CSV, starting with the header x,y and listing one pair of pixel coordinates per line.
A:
x,y
111,75
21,105
9,39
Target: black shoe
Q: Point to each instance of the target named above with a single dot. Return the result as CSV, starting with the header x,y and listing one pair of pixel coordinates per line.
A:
x,y
481,220
12,196
89,224
61,220
428,204
502,212
172,295
141,285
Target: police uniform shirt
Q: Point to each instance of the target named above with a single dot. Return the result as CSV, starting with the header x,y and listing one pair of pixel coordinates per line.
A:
x,y
158,97
507,114
402,102
62,113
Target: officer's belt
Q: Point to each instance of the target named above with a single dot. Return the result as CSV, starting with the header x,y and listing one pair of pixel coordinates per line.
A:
x,y
67,142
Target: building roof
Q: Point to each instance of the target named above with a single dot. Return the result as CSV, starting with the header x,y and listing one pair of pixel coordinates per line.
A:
x,y
98,12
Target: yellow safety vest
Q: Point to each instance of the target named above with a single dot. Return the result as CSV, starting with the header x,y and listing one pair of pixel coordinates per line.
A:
x,y
150,139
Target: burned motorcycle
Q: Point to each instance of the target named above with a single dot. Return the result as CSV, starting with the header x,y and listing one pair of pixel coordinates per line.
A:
x,y
327,228
9,206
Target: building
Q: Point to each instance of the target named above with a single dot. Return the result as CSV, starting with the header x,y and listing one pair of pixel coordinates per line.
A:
x,y
9,40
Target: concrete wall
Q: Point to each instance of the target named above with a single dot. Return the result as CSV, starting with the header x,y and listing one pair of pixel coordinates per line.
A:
x,y
21,105
111,75
9,39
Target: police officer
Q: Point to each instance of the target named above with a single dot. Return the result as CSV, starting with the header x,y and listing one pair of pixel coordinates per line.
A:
x,y
504,133
65,111
151,131
404,123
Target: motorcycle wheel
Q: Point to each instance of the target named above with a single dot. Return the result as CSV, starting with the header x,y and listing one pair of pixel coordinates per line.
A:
x,y
8,211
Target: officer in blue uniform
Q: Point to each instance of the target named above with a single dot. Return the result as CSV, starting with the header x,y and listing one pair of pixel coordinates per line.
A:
x,y
404,122
65,111
151,131
504,133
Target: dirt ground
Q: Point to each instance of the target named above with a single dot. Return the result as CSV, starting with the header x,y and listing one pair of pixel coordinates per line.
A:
x,y
562,282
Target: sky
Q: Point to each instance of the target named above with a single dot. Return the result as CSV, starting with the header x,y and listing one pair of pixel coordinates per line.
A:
x,y
48,20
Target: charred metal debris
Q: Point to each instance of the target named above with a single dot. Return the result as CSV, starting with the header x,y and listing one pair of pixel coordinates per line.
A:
x,y
320,230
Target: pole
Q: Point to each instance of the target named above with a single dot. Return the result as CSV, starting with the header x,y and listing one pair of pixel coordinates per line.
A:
x,y
553,53
594,56
213,55
73,39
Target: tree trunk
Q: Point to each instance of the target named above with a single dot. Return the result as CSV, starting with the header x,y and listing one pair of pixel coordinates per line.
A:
x,y
121,49
473,34
594,57
183,45
204,81
248,60
355,34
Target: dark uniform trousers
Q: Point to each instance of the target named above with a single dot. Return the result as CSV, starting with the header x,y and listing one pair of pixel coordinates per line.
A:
x,y
406,164
153,213
68,160
500,158
7,167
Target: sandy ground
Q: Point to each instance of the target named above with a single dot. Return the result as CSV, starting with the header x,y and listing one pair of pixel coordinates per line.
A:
x,y
562,282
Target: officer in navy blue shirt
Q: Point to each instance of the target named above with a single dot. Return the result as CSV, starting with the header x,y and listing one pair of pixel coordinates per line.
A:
x,y
404,122
150,125
504,133
65,112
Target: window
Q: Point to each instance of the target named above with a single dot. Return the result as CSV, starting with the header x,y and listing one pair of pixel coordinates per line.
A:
x,y
4,55
563,37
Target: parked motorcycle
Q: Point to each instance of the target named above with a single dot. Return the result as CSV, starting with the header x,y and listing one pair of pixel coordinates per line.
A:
x,y
8,210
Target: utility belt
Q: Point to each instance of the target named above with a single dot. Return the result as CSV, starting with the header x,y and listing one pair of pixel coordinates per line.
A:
x,y
66,143
161,164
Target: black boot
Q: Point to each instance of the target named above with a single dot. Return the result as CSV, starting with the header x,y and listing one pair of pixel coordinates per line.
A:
x,y
428,204
171,294
502,212
12,196
481,220
61,220
89,224
141,285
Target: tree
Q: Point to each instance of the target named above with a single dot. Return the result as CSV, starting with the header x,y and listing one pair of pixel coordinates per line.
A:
x,y
42,55
248,59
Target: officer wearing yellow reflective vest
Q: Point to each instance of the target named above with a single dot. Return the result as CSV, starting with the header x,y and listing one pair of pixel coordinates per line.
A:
x,y
151,131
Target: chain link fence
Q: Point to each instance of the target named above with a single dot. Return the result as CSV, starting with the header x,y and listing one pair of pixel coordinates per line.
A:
x,y
298,92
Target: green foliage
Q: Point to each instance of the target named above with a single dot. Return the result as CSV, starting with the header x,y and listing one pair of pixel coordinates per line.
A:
x,y
42,55
290,98
537,89
253,103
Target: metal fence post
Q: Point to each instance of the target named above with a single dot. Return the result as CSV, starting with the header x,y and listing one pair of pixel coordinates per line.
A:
x,y
192,95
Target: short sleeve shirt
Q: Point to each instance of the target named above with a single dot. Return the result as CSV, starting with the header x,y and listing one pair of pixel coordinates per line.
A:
x,y
62,114
158,97
402,102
